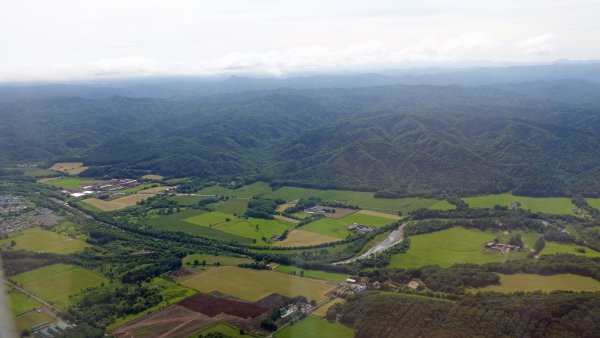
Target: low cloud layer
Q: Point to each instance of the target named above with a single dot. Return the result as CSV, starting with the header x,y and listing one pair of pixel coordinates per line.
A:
x,y
68,39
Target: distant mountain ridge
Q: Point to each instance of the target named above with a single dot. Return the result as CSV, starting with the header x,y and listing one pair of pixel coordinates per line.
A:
x,y
540,138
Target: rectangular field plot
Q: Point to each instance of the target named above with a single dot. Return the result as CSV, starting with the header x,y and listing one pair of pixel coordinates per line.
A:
x,y
69,182
39,240
329,276
210,218
55,283
29,319
176,222
446,247
549,205
253,285
126,201
248,228
313,327
19,303
223,328
531,282
245,192
71,168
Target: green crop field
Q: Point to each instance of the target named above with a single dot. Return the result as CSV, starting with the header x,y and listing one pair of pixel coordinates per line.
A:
x,y
594,202
223,328
253,285
176,222
19,303
171,293
247,228
39,240
40,173
27,320
212,259
446,247
70,182
336,227
232,206
532,282
55,283
313,327
210,218
139,188
557,248
334,277
442,205
549,205
365,200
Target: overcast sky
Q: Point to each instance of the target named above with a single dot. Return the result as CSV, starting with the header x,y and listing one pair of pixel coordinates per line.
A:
x,y
75,39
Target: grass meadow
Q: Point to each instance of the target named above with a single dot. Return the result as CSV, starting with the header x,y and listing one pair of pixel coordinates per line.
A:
x,y
55,283
329,276
39,240
548,205
212,259
446,247
223,328
70,182
336,227
557,248
253,285
20,303
314,327
298,238
29,319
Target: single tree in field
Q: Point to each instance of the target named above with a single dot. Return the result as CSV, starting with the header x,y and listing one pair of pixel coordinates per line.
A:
x,y
196,262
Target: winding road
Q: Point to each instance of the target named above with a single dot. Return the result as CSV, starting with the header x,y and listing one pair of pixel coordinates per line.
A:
x,y
392,239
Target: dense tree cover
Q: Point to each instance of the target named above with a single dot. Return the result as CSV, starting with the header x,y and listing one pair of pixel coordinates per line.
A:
x,y
560,314
262,207
450,140
100,307
550,265
15,262
146,272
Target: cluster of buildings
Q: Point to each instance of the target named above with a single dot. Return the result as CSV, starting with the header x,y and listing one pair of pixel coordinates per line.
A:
x,y
114,184
17,213
503,248
295,309
359,227
47,330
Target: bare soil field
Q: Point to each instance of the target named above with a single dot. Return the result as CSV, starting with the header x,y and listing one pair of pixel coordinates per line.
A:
x,y
124,202
212,306
71,168
379,214
305,238
203,310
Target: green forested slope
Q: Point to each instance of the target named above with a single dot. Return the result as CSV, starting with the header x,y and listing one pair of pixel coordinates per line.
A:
x,y
535,139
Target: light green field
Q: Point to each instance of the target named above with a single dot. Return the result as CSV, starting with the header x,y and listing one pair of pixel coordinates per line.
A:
x,y
253,285
221,327
39,240
532,282
212,259
139,188
247,228
594,202
442,205
549,205
27,320
171,293
447,247
313,327
557,248
364,200
232,206
55,283
19,303
329,276
336,227
210,218
70,182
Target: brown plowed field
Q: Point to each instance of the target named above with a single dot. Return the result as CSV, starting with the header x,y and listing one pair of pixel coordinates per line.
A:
x,y
212,306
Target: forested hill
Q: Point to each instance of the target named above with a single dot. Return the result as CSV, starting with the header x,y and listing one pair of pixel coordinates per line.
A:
x,y
539,138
